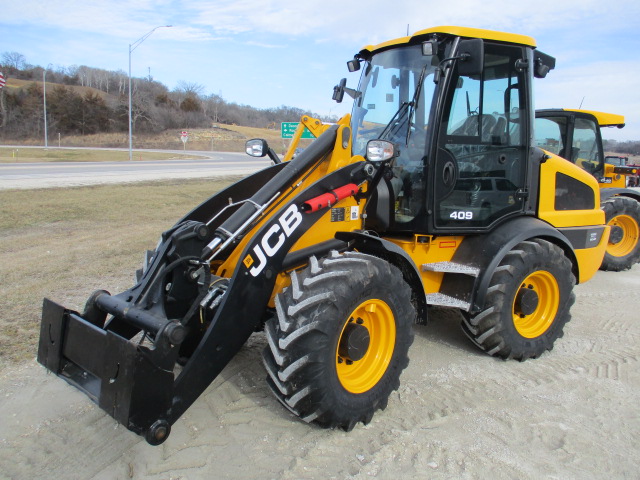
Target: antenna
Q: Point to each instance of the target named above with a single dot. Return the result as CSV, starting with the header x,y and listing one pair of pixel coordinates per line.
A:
x,y
407,29
581,103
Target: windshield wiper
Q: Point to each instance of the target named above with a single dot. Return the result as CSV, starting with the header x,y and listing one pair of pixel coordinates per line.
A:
x,y
395,120
414,102
406,109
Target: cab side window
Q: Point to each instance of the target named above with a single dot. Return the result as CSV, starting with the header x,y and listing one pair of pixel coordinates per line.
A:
x,y
549,134
584,148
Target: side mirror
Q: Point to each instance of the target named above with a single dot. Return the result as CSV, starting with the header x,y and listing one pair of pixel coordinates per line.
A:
x,y
257,147
338,91
470,57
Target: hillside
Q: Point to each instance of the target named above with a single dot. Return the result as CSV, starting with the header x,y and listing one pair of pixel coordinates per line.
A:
x,y
88,106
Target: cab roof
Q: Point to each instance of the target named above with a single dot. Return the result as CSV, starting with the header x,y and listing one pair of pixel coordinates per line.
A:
x,y
456,31
604,119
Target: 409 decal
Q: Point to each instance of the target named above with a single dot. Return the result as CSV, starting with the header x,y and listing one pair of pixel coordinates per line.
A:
x,y
462,215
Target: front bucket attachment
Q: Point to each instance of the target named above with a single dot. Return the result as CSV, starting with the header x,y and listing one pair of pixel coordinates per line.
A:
x,y
119,375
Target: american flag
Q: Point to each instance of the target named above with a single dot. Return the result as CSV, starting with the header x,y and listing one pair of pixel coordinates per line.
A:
x,y
2,81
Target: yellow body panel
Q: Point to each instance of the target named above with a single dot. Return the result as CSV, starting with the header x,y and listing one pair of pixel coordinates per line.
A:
x,y
617,180
458,31
590,259
547,197
425,249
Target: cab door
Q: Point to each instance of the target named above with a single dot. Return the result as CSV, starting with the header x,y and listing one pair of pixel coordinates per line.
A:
x,y
480,167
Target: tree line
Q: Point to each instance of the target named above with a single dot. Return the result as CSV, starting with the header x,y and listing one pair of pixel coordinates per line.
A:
x,y
102,106
630,147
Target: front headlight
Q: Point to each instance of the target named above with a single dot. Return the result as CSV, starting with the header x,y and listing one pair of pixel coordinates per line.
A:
x,y
380,150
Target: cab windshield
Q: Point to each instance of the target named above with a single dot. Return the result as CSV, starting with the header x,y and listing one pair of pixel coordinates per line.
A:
x,y
394,103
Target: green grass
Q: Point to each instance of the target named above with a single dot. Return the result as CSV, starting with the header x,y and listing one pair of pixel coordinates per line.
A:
x,y
66,243
32,155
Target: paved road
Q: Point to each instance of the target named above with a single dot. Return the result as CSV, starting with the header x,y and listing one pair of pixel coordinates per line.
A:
x,y
66,174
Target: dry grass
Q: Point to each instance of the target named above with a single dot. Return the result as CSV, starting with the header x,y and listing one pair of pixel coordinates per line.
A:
x,y
220,138
31,155
66,243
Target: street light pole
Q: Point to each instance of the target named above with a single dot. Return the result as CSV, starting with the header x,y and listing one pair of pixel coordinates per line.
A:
x,y
44,89
132,47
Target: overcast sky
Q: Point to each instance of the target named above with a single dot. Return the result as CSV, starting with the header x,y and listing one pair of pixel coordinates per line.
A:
x,y
268,53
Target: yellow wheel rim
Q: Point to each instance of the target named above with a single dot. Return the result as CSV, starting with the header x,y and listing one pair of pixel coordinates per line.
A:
x,y
534,321
361,374
630,233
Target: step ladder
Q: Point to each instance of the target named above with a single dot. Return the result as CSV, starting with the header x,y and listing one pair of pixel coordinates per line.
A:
x,y
440,299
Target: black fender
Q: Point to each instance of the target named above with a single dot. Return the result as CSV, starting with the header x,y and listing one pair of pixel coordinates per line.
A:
x,y
486,251
607,193
389,251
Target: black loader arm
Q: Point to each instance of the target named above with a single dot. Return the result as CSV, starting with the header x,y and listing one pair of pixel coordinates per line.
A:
x,y
123,351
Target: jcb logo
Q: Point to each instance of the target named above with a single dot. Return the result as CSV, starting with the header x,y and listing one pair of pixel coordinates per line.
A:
x,y
273,239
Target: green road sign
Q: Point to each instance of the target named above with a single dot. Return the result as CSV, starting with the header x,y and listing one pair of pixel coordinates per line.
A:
x,y
287,130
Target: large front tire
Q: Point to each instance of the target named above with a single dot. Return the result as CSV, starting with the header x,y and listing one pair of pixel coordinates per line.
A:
x,y
527,303
339,341
623,249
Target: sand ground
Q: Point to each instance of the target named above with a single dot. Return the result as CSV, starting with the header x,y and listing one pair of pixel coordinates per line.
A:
x,y
571,414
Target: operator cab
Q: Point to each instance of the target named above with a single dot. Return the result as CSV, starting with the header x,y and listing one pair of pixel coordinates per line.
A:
x,y
575,135
458,111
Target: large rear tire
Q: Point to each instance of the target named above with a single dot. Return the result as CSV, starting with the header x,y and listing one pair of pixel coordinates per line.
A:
x,y
623,249
339,341
527,304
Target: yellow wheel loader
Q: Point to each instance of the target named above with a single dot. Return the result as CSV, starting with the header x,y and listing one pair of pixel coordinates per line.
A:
x,y
576,135
431,192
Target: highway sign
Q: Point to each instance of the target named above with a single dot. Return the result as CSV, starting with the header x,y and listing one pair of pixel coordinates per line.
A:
x,y
288,129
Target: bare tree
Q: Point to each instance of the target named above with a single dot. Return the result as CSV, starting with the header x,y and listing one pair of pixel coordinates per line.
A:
x,y
190,88
14,60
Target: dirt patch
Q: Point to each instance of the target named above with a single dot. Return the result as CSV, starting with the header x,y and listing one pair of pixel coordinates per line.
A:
x,y
571,414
